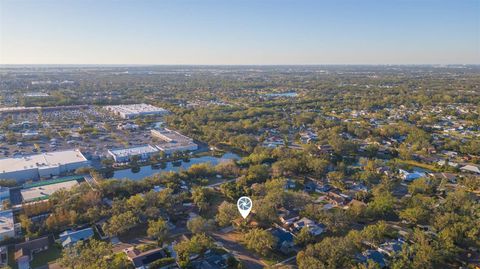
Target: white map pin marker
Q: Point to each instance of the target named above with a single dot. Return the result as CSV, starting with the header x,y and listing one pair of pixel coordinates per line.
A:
x,y
244,205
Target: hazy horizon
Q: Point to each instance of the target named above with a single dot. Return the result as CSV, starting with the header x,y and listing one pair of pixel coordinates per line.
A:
x,y
265,32
239,65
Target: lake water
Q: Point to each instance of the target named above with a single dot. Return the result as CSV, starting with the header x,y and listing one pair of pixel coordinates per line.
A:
x,y
148,170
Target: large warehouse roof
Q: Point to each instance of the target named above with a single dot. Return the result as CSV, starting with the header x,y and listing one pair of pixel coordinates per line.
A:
x,y
132,151
128,111
44,191
50,159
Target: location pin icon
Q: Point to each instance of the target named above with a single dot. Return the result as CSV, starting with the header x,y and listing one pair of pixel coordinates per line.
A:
x,y
244,205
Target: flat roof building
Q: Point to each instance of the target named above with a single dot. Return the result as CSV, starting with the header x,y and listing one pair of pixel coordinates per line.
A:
x,y
172,141
135,110
43,165
7,225
42,192
125,154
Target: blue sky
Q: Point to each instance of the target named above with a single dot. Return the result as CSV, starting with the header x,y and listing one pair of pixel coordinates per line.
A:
x,y
239,32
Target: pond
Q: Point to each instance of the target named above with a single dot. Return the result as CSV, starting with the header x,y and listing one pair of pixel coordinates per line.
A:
x,y
148,170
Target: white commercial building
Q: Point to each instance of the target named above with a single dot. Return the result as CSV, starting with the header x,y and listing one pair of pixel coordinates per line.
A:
x,y
7,225
43,165
172,141
125,154
44,191
135,110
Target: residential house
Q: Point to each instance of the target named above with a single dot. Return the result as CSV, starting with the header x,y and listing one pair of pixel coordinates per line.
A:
x,y
289,184
470,169
446,162
142,259
24,251
373,255
273,142
211,260
323,188
452,178
337,199
310,186
451,154
391,248
70,238
288,217
407,176
385,170
158,188
314,228
325,149
355,202
127,126
284,240
356,187
308,136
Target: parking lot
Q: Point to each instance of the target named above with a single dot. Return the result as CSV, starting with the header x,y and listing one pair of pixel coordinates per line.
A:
x,y
92,130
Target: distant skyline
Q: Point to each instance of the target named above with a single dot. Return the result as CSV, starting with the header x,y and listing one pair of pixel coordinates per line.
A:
x,y
246,32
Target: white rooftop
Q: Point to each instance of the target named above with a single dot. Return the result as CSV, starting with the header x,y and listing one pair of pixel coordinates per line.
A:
x,y
471,168
139,150
49,159
6,221
136,109
46,190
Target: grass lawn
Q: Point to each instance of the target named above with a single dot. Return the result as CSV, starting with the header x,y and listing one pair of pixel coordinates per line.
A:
x,y
138,231
215,180
273,258
418,164
215,200
43,258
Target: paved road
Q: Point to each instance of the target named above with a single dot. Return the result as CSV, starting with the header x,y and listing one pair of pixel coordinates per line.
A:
x,y
248,259
292,261
211,186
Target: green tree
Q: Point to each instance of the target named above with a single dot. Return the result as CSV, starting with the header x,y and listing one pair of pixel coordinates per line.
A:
x,y
120,223
418,209
227,212
89,255
260,241
26,224
304,237
421,185
198,244
318,166
257,173
423,253
265,212
136,203
157,229
331,253
382,204
200,197
200,225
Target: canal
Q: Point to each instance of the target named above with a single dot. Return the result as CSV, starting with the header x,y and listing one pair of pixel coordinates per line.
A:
x,y
148,170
